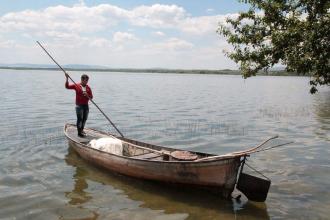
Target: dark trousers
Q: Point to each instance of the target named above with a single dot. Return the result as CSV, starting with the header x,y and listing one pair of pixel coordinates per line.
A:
x,y
82,115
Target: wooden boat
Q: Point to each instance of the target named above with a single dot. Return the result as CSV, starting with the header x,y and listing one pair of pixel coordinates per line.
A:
x,y
218,173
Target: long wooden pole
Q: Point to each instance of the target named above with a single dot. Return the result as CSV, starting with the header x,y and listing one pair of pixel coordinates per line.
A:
x,y
76,85
240,153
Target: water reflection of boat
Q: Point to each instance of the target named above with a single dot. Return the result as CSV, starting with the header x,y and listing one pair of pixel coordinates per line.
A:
x,y
152,195
216,173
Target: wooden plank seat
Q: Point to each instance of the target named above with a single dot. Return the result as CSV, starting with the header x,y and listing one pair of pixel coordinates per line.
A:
x,y
149,156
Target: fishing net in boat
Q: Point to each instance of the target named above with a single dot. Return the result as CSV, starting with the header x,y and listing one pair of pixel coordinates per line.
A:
x,y
109,145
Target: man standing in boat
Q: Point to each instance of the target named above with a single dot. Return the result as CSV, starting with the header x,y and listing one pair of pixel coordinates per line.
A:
x,y
83,94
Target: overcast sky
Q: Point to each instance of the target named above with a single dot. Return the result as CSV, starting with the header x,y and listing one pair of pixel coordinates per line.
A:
x,y
127,34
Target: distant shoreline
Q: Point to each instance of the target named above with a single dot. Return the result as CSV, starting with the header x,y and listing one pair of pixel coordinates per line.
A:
x,y
155,70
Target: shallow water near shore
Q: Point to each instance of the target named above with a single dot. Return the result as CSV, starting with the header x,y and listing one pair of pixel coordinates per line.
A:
x,y
42,178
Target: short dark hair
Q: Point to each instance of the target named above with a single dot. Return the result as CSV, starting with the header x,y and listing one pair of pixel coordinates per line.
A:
x,y
84,76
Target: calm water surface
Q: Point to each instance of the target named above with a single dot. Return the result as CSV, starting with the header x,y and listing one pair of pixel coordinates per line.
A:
x,y
42,178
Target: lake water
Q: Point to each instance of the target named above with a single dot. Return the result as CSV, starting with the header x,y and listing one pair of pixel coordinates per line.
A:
x,y
42,178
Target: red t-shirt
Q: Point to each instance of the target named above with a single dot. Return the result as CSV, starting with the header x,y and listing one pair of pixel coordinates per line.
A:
x,y
80,98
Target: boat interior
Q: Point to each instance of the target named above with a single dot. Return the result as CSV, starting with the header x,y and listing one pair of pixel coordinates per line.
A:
x,y
136,149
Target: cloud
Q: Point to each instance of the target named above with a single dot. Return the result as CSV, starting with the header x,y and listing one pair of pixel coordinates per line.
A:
x,y
83,19
7,43
171,44
174,17
158,33
123,37
203,24
100,43
78,18
96,33
157,16
209,10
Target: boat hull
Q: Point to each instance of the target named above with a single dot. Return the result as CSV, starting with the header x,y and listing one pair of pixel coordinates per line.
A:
x,y
220,175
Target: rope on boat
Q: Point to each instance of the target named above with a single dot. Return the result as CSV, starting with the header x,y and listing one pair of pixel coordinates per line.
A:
x,y
256,171
257,147
279,145
239,153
